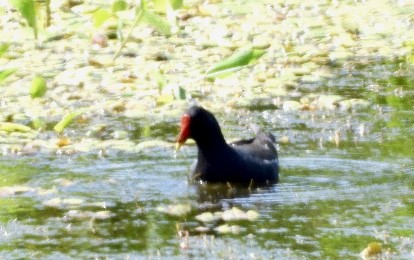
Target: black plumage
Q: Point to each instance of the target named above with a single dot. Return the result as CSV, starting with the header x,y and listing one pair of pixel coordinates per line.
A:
x,y
242,161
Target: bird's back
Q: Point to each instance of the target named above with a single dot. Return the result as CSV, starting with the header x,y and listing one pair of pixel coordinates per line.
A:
x,y
242,161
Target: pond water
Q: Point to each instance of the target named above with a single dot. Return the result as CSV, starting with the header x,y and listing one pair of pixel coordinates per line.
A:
x,y
335,87
347,180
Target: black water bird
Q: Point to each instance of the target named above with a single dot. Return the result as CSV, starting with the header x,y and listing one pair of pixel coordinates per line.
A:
x,y
244,161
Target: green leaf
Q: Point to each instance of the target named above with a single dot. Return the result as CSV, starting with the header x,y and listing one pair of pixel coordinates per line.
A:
x,y
3,48
38,123
119,5
180,93
160,24
100,16
176,4
159,78
38,87
66,120
5,74
223,73
236,61
28,11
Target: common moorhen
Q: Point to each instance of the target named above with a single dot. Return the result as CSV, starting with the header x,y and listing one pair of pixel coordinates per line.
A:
x,y
240,162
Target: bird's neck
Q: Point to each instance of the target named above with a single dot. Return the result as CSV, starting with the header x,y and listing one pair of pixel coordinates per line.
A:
x,y
212,145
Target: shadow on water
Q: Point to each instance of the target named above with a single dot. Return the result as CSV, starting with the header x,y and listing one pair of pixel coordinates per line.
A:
x,y
216,193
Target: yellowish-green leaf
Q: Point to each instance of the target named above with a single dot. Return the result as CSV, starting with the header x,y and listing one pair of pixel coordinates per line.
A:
x,y
13,127
65,121
410,59
176,4
164,99
159,23
5,74
159,78
100,16
119,5
160,6
28,11
223,73
38,87
3,48
236,60
38,123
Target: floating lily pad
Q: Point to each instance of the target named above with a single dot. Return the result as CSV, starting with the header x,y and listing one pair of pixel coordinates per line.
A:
x,y
178,210
14,190
227,229
372,251
202,229
151,144
328,101
207,217
354,104
234,214
63,203
291,106
79,214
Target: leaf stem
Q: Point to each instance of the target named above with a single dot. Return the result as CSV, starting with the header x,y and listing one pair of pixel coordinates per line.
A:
x,y
126,39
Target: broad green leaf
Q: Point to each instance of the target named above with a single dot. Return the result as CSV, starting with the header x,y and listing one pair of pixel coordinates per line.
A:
x,y
160,24
66,120
28,11
3,48
236,60
5,74
38,87
100,16
119,5
13,127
